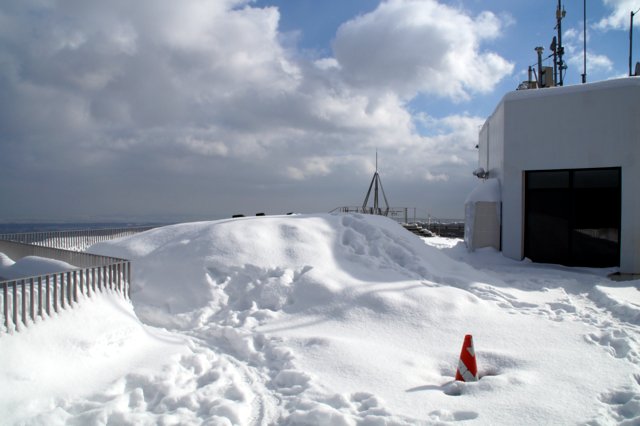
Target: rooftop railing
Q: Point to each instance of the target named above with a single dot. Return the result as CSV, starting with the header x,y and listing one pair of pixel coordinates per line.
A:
x,y
407,216
28,300
77,239
400,214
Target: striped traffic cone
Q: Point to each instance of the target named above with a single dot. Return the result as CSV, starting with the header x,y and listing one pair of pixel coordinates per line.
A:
x,y
467,368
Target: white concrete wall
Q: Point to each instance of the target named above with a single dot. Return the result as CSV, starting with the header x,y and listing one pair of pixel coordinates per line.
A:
x,y
491,144
585,126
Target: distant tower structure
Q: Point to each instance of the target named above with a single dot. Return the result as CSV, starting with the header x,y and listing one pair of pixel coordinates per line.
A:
x,y
375,183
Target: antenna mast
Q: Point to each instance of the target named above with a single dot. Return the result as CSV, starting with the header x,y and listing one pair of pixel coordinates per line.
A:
x,y
631,40
584,41
560,14
375,183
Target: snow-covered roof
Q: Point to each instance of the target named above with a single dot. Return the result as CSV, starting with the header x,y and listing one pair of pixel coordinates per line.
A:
x,y
487,190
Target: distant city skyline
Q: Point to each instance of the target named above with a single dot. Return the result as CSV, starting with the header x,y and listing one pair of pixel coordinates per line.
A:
x,y
170,111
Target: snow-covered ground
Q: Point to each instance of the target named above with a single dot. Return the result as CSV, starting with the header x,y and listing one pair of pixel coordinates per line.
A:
x,y
328,319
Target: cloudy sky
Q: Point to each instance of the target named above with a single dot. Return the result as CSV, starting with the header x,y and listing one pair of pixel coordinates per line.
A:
x,y
196,109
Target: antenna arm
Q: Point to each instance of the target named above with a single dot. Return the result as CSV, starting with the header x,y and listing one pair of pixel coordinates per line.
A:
x,y
366,200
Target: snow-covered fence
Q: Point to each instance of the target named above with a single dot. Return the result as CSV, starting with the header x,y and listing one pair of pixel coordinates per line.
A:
x,y
453,229
26,300
399,214
17,250
78,239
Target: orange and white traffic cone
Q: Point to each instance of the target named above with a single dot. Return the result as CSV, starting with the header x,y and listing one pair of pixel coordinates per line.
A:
x,y
467,368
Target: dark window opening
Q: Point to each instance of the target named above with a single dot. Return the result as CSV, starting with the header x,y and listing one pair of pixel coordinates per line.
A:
x,y
572,217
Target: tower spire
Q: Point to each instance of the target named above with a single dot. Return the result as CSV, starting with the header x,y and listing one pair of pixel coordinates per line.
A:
x,y
375,183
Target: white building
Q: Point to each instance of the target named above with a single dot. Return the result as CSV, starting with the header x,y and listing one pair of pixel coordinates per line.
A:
x,y
567,164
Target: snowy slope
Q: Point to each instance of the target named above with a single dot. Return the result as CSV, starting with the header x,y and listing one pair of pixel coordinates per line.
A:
x,y
350,319
45,367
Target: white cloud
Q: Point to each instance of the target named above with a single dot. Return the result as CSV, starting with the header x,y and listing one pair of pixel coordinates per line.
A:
x,y
572,34
310,167
573,44
595,62
412,46
199,100
618,19
204,147
441,177
327,64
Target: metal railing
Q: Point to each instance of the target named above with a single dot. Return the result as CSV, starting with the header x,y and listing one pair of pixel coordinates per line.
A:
x,y
78,239
451,228
26,300
17,250
400,214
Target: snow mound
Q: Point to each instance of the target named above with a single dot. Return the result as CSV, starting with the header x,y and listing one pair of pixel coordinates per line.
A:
x,y
328,320
623,302
5,261
271,263
31,266
350,319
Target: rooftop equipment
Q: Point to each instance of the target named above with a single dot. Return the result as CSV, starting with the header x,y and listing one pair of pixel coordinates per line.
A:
x,y
552,76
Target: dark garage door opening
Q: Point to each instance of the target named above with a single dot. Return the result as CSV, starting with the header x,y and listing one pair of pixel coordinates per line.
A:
x,y
572,217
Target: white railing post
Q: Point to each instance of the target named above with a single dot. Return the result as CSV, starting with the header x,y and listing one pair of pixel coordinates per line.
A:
x,y
75,286
23,298
40,296
15,303
48,297
62,289
32,299
94,274
5,295
69,289
55,293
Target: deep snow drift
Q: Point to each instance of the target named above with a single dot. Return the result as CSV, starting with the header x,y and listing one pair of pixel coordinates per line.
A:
x,y
329,319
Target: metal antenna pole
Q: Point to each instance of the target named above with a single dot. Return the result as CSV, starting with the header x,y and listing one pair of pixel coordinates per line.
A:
x,y
554,49
375,190
560,13
376,208
631,41
539,51
366,199
375,182
584,41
